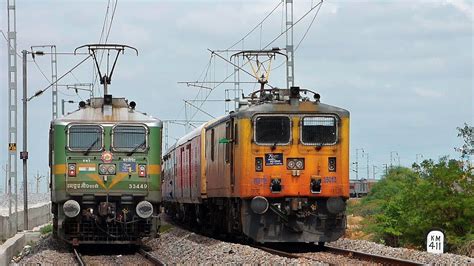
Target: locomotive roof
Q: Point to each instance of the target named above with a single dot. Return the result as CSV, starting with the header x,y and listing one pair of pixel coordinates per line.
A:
x,y
121,113
266,107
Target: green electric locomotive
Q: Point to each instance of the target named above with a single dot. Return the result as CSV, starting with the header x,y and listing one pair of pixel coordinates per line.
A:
x,y
105,173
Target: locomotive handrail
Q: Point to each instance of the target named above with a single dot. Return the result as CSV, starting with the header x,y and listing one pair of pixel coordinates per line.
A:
x,y
316,95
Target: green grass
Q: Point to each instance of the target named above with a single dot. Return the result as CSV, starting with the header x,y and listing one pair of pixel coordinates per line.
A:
x,y
46,229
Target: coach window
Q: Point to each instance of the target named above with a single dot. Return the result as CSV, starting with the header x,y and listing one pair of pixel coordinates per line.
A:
x,y
129,138
319,130
85,138
272,130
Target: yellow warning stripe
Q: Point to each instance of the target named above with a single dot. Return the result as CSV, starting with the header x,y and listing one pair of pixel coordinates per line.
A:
x,y
59,169
154,169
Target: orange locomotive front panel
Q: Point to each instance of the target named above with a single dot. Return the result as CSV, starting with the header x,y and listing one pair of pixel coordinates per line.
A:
x,y
276,170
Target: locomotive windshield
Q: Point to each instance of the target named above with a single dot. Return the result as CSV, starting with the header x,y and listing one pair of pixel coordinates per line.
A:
x,y
272,130
85,138
129,138
319,130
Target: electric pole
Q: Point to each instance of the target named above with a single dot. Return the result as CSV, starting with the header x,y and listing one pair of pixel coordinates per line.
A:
x,y
357,161
391,158
24,153
38,178
54,77
368,173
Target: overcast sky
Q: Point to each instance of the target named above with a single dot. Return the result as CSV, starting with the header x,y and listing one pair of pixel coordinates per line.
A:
x,y
404,69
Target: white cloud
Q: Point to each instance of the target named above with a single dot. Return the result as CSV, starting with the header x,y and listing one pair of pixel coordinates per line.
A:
x,y
465,6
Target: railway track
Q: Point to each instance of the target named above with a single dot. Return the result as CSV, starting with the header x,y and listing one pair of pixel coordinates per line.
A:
x,y
78,257
351,254
150,257
153,260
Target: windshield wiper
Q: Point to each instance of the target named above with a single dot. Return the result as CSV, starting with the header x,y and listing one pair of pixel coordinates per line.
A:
x,y
136,148
92,145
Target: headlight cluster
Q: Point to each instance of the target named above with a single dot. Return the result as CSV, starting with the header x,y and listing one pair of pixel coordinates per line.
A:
x,y
107,169
295,163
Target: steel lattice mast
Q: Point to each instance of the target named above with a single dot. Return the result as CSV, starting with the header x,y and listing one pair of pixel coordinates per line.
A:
x,y
290,70
12,110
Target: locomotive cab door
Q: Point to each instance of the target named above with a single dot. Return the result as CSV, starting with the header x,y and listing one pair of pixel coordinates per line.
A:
x,y
229,152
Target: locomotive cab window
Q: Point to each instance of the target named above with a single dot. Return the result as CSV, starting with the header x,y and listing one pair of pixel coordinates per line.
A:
x,y
128,138
272,130
85,138
319,130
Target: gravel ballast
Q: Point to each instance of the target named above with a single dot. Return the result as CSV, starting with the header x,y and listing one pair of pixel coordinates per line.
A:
x,y
402,253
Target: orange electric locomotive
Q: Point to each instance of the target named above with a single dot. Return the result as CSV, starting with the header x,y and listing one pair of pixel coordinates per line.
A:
x,y
275,170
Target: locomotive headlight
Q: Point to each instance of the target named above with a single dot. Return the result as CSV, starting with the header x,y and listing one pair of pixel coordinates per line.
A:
x,y
300,164
107,169
144,209
291,164
71,208
295,163
111,169
103,169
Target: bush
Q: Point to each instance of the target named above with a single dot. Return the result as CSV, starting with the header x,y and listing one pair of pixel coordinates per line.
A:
x,y
407,203
46,229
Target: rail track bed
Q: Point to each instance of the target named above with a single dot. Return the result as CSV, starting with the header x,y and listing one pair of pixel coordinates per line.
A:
x,y
180,246
331,255
116,257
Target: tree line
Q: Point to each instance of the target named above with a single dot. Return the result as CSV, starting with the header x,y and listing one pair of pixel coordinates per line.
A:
x,y
408,202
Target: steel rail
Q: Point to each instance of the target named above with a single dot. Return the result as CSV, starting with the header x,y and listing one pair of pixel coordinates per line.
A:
x,y
367,257
150,257
370,257
78,257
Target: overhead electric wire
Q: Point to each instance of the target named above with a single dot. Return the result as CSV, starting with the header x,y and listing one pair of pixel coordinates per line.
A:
x,y
49,86
319,5
6,39
309,27
106,37
309,11
111,21
256,26
105,20
40,70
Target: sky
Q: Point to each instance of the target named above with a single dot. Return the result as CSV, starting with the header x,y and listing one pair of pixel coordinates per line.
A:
x,y
404,69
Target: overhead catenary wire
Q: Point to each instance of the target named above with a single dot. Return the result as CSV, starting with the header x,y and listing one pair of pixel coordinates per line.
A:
x,y
306,32
106,36
301,18
38,93
256,26
309,27
318,5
